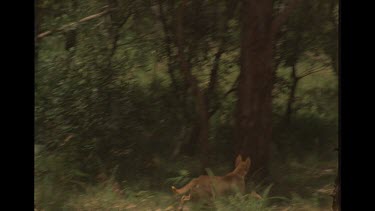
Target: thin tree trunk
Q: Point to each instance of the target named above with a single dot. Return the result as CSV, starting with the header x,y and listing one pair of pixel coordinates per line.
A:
x,y
111,107
199,98
202,96
179,91
204,125
189,147
168,43
292,94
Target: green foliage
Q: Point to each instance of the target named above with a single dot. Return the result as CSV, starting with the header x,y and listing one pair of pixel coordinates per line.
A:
x,y
102,196
245,202
56,177
108,196
241,203
179,180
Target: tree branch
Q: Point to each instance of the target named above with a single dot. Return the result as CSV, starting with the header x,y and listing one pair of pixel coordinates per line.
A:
x,y
283,16
310,72
214,71
85,19
185,67
232,89
316,58
215,68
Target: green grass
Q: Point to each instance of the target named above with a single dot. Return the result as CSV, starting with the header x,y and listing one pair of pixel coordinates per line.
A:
x,y
304,185
105,197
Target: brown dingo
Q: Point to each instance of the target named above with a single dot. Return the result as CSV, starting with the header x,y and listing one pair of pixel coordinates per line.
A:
x,y
210,186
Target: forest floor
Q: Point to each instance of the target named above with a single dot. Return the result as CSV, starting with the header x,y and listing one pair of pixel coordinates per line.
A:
x,y
300,188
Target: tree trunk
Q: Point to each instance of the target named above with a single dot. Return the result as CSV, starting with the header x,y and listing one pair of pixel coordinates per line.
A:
x,y
292,94
201,107
168,48
253,125
189,146
336,205
111,106
204,125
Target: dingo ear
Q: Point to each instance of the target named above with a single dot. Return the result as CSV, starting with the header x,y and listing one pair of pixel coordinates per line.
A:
x,y
248,163
174,189
238,160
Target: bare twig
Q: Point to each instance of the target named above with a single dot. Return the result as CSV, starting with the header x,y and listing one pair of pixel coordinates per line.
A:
x,y
66,139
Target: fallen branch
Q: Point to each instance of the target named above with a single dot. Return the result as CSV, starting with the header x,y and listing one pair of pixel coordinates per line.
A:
x,y
74,24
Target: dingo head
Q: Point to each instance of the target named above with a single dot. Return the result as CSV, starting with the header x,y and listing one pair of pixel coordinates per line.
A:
x,y
242,167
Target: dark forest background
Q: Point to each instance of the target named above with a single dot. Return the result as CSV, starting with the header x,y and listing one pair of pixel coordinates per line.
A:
x,y
134,96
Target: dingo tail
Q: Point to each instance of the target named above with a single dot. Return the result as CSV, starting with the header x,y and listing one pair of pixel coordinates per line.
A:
x,y
184,189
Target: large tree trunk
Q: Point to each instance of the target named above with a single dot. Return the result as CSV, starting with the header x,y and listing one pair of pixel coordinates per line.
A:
x,y
254,107
253,125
